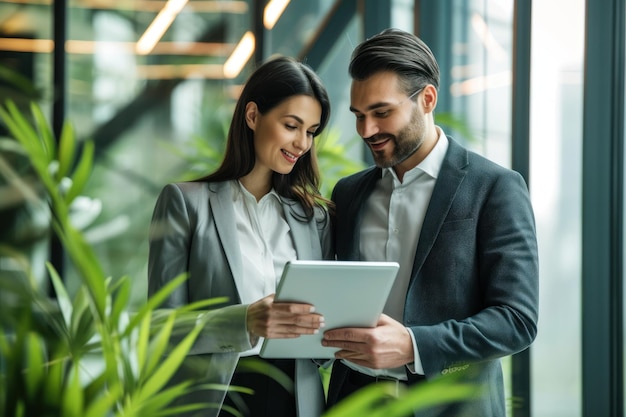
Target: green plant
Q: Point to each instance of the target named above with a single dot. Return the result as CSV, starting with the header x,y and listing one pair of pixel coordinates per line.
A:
x,y
391,400
46,345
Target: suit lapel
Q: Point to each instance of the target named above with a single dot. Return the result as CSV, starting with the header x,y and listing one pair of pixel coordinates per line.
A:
x,y
450,178
221,202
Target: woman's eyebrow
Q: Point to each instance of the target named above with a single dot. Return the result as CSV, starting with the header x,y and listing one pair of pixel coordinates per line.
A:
x,y
299,120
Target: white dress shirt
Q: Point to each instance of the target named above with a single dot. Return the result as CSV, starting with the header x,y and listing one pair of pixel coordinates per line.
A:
x,y
265,242
391,227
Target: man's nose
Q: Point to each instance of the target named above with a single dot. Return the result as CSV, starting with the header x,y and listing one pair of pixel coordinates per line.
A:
x,y
367,127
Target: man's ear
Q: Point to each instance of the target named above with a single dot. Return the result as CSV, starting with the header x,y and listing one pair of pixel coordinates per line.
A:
x,y
252,113
429,98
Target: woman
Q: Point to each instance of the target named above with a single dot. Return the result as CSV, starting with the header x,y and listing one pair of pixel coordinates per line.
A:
x,y
235,229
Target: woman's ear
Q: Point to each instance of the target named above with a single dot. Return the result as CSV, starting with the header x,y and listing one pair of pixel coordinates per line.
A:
x,y
252,112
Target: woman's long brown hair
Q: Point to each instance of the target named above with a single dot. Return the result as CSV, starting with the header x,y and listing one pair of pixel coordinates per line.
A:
x,y
268,86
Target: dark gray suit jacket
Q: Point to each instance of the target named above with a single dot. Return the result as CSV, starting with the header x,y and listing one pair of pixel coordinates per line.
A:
x,y
473,294
193,230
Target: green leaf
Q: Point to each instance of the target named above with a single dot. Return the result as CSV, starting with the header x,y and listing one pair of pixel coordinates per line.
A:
x,y
4,345
423,400
387,399
81,325
159,402
154,302
24,133
81,174
105,403
45,133
252,364
172,362
362,402
34,367
67,149
142,342
65,303
178,410
96,385
53,388
73,404
122,295
158,345
202,304
90,270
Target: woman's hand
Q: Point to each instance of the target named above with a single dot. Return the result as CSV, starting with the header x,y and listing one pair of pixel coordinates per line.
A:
x,y
282,320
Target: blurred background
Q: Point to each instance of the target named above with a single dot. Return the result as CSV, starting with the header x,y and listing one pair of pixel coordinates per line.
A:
x,y
524,83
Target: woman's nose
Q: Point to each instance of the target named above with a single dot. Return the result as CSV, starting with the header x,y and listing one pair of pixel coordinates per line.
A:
x,y
302,142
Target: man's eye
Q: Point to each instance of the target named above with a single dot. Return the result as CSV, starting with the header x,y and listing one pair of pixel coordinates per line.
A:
x,y
359,117
382,113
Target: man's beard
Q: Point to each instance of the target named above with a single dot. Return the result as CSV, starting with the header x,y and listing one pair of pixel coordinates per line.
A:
x,y
406,143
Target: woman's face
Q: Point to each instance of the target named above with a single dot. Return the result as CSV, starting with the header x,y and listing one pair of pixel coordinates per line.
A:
x,y
283,134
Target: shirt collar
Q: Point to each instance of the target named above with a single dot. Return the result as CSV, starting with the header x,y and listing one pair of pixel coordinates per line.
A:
x,y
241,191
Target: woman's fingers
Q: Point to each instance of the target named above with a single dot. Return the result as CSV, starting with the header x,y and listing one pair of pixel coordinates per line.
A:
x,y
282,320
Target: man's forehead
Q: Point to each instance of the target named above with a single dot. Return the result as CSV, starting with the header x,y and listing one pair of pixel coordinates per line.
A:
x,y
379,88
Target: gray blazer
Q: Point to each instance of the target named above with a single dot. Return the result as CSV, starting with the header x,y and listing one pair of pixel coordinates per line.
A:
x,y
473,293
193,230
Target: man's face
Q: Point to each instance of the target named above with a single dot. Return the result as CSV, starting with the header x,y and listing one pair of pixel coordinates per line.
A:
x,y
390,122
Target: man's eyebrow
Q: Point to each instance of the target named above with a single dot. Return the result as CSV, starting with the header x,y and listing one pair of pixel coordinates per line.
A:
x,y
371,106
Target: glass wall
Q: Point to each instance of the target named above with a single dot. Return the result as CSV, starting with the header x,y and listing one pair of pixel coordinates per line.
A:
x,y
473,44
556,164
156,98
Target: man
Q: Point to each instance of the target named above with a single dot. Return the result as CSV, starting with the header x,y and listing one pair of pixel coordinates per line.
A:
x,y
461,228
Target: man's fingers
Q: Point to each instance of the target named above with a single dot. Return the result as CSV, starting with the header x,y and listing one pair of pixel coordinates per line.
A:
x,y
347,334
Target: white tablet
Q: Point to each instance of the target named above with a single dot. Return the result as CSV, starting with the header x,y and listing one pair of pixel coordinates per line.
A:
x,y
346,293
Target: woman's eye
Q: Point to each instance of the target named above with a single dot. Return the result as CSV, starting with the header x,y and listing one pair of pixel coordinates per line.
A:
x,y
310,134
290,127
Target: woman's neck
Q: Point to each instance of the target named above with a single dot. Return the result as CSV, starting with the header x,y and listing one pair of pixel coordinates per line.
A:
x,y
257,185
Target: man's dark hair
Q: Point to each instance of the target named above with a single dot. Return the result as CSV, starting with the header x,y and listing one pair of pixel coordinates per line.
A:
x,y
400,52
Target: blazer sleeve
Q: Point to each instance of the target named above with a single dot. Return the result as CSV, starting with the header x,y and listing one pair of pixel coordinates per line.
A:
x,y
171,232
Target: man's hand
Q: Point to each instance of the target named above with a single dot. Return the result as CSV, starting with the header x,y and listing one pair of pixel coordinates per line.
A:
x,y
272,320
388,345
